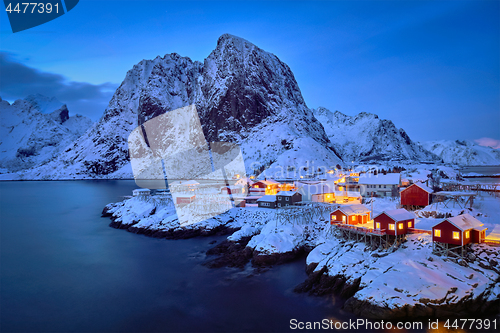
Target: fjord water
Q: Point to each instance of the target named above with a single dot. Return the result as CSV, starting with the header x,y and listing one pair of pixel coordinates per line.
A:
x,y
64,269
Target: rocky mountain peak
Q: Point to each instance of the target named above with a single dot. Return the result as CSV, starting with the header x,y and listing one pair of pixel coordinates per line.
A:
x,y
242,93
365,137
60,115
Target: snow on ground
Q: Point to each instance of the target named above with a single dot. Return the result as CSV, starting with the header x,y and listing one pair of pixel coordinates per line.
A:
x,y
409,275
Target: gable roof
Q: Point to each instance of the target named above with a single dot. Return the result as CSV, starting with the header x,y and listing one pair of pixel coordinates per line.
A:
x,y
267,182
286,193
422,186
380,179
398,214
464,222
355,209
267,198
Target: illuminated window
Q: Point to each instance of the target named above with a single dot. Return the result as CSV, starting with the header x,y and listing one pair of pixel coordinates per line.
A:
x,y
456,235
437,233
352,218
409,224
391,226
377,225
400,226
467,234
334,217
343,219
256,186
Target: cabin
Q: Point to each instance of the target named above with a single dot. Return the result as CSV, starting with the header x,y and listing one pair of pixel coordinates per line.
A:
x,y
459,230
268,186
267,201
184,199
350,214
252,199
379,185
416,195
141,192
316,191
395,222
233,189
287,198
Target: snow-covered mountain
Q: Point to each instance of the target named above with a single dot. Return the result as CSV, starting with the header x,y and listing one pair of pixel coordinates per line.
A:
x,y
365,137
43,103
463,152
243,94
29,137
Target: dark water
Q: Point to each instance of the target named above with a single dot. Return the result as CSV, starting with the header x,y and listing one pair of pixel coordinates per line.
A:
x,y
63,269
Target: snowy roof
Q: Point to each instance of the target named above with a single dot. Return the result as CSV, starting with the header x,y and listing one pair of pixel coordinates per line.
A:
x,y
398,214
268,182
354,209
286,193
465,222
455,193
380,179
267,198
422,186
190,182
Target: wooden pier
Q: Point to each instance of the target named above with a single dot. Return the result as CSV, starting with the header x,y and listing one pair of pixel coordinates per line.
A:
x,y
370,236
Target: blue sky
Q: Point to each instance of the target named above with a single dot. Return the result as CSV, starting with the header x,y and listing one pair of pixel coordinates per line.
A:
x,y
432,68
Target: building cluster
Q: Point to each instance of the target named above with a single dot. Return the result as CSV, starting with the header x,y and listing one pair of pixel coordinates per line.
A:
x,y
348,190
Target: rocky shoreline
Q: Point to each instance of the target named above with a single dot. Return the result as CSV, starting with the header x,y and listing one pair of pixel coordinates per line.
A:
x,y
337,267
319,283
180,233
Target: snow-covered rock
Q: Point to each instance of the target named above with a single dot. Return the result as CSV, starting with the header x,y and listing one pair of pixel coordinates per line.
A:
x,y
367,138
243,95
30,135
463,152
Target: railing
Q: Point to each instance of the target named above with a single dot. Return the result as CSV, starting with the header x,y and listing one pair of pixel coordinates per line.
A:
x,y
418,231
361,230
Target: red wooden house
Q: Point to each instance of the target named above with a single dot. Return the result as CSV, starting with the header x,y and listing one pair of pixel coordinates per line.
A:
x,y
459,230
416,195
350,214
395,222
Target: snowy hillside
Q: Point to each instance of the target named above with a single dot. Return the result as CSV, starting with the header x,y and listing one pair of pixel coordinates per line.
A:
x,y
243,95
365,137
463,152
29,137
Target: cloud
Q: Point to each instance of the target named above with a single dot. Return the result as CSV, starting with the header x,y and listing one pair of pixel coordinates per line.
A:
x,y
488,142
19,81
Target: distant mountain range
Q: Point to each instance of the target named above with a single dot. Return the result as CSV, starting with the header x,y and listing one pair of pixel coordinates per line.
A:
x,y
367,138
463,152
30,136
243,95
